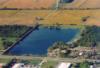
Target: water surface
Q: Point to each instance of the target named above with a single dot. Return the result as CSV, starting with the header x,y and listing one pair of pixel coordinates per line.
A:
x,y
40,40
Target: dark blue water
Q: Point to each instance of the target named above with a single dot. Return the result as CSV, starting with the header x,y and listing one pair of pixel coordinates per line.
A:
x,y
38,41
67,1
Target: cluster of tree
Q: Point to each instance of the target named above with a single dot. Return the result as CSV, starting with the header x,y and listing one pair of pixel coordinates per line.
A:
x,y
90,36
84,64
12,31
59,44
7,32
7,44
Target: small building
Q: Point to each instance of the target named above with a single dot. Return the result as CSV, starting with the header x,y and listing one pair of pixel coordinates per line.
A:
x,y
91,66
22,65
18,65
64,65
81,53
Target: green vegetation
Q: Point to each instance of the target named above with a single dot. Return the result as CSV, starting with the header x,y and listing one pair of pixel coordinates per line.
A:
x,y
1,43
49,64
5,60
34,61
58,44
9,34
84,65
7,41
58,48
90,36
12,31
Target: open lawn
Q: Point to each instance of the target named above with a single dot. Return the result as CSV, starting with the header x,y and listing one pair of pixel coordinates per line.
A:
x,y
49,64
32,61
5,60
28,17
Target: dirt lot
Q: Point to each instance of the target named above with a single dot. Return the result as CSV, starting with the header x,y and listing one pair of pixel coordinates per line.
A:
x,y
29,17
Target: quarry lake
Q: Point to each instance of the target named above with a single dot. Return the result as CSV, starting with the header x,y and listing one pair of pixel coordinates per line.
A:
x,y
39,40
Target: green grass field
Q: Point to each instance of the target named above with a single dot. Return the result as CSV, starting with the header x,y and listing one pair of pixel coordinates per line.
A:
x,y
49,64
5,60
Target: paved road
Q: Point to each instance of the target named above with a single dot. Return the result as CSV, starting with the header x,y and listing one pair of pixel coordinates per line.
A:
x,y
48,58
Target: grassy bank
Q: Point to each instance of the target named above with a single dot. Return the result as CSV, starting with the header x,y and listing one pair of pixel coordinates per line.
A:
x,y
49,64
9,34
4,60
5,43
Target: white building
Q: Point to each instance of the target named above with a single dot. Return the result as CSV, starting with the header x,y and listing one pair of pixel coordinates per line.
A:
x,y
22,65
91,66
18,65
64,65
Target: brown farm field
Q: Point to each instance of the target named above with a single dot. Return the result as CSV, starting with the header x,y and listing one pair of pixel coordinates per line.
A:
x,y
38,4
24,4
28,17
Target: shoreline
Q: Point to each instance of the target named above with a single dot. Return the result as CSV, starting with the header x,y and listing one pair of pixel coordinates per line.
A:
x,y
23,36
30,30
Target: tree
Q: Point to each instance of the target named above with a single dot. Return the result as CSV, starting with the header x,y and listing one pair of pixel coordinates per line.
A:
x,y
84,65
